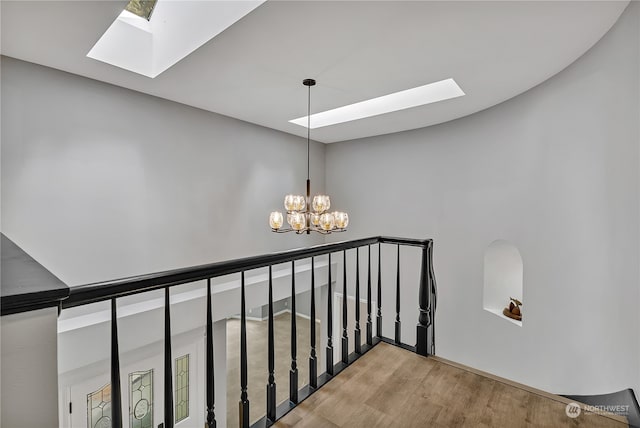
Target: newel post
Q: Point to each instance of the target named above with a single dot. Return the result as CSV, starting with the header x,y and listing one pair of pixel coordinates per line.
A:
x,y
424,333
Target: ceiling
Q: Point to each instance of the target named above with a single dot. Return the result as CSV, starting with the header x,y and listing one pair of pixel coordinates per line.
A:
x,y
356,50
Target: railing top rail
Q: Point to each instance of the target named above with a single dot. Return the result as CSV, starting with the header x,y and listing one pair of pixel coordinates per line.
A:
x,y
100,291
405,241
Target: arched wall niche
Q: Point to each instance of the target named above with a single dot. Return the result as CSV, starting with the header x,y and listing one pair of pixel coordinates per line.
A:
x,y
503,277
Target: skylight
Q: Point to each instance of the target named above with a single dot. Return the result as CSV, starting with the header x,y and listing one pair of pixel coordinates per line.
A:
x,y
414,97
142,8
177,28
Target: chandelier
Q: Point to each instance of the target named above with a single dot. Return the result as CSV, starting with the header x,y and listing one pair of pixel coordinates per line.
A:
x,y
306,215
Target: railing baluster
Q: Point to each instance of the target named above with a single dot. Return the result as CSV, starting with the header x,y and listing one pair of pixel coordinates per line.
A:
x,y
379,315
345,335
357,333
243,405
313,359
433,298
210,374
293,373
168,366
397,338
369,324
422,344
426,300
329,359
271,386
116,395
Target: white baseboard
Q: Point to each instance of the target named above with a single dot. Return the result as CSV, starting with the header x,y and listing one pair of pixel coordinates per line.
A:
x,y
248,318
304,316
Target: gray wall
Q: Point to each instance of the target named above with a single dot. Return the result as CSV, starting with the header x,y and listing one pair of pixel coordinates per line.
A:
x,y
100,182
303,306
554,171
29,365
262,312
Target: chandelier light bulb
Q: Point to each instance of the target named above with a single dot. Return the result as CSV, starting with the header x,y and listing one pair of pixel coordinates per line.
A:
x,y
321,203
294,203
300,203
275,220
298,221
289,203
341,219
327,222
315,219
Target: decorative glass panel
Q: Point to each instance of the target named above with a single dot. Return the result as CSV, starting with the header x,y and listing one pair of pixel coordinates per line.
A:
x,y
99,408
142,8
182,388
141,399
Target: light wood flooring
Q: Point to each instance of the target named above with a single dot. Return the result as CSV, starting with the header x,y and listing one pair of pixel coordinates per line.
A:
x,y
257,362
392,387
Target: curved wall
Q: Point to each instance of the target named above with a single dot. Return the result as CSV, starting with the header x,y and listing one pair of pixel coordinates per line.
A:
x,y
555,171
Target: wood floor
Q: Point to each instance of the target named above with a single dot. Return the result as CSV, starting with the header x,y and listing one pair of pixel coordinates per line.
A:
x,y
392,387
257,362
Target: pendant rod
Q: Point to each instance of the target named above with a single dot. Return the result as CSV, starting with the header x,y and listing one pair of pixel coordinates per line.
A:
x,y
308,127
308,162
308,83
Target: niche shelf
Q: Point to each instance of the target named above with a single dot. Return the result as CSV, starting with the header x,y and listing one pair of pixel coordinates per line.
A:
x,y
503,278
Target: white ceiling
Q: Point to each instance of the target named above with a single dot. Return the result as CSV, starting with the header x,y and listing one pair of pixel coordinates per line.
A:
x,y
356,50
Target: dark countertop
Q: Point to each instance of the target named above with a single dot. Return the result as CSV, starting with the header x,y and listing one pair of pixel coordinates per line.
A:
x,y
26,285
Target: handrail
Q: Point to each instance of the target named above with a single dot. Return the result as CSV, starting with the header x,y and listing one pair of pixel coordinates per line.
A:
x,y
101,291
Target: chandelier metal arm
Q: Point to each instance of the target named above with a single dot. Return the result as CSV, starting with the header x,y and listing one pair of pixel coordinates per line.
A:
x,y
309,230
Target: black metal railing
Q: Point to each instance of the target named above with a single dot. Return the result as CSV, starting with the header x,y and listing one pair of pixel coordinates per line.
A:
x,y
425,330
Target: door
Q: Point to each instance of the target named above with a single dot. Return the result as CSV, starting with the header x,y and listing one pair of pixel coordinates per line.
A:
x,y
141,380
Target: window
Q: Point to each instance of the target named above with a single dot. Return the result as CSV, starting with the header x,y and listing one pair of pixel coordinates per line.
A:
x,y
99,408
141,399
182,388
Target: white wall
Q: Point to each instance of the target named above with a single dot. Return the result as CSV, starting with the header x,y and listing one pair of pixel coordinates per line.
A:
x,y
28,365
555,171
100,182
